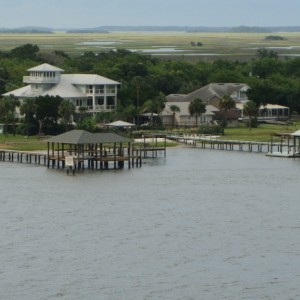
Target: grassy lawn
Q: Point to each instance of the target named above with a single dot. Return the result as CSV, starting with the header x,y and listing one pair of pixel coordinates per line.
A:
x,y
22,143
262,133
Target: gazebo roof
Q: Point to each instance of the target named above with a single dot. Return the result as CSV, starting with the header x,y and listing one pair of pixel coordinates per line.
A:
x,y
76,137
296,133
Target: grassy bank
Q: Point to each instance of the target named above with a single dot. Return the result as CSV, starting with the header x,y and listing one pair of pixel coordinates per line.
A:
x,y
22,143
262,133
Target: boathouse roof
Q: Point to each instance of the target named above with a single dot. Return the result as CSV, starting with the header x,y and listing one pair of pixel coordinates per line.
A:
x,y
76,137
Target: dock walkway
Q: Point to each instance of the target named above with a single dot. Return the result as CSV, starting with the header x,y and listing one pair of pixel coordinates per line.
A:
x,y
286,149
24,157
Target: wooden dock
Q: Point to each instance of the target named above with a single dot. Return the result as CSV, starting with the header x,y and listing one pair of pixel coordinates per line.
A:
x,y
109,161
79,150
152,144
23,157
97,161
285,149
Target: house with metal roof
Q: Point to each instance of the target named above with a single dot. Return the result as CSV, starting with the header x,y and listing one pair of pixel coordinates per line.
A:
x,y
91,91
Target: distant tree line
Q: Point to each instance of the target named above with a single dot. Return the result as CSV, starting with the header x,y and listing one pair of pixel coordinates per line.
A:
x,y
275,38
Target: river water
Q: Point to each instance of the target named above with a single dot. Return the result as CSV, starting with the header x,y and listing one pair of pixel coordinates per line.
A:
x,y
200,224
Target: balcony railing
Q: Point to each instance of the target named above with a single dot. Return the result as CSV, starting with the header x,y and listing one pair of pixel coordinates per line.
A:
x,y
30,79
99,108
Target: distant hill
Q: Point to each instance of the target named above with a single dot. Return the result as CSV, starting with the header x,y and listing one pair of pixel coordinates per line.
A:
x,y
28,29
106,29
245,29
251,29
91,30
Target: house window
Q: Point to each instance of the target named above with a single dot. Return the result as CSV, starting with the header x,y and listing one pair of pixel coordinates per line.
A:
x,y
110,100
111,89
78,102
100,100
89,102
89,89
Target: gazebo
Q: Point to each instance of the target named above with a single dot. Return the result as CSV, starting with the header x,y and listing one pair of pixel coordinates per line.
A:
x,y
296,137
96,150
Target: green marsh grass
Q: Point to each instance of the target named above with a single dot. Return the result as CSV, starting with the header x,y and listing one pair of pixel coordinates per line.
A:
x,y
239,45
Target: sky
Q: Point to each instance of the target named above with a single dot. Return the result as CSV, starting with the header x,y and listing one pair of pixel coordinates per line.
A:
x,y
95,13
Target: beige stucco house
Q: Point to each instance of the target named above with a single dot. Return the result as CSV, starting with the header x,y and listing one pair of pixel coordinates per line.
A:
x,y
210,95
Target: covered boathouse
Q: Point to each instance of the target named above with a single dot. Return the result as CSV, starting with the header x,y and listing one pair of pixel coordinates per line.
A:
x,y
80,149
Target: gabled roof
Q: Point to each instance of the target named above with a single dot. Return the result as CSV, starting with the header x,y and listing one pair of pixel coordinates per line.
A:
x,y
76,137
44,68
213,90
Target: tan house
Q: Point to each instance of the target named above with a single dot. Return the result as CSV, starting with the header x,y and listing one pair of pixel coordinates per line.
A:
x,y
210,95
183,117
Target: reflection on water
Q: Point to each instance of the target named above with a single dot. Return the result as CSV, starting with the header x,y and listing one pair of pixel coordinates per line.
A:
x,y
201,224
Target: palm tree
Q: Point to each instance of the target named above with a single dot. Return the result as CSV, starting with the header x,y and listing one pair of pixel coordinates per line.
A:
x,y
174,109
197,108
250,110
226,104
154,106
149,106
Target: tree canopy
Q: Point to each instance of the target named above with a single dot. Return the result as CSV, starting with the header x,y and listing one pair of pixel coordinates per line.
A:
x,y
143,77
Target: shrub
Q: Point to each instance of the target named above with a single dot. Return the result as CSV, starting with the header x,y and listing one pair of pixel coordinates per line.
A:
x,y
211,129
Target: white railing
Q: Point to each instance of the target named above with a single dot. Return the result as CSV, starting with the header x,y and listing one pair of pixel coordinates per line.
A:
x,y
30,79
99,91
98,108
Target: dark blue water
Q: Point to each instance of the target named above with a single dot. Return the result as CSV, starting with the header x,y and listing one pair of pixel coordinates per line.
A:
x,y
200,224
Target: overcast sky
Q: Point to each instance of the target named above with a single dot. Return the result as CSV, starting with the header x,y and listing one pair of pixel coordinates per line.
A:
x,y
94,13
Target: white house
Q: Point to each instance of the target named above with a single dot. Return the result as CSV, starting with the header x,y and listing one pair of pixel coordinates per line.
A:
x,y
94,92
